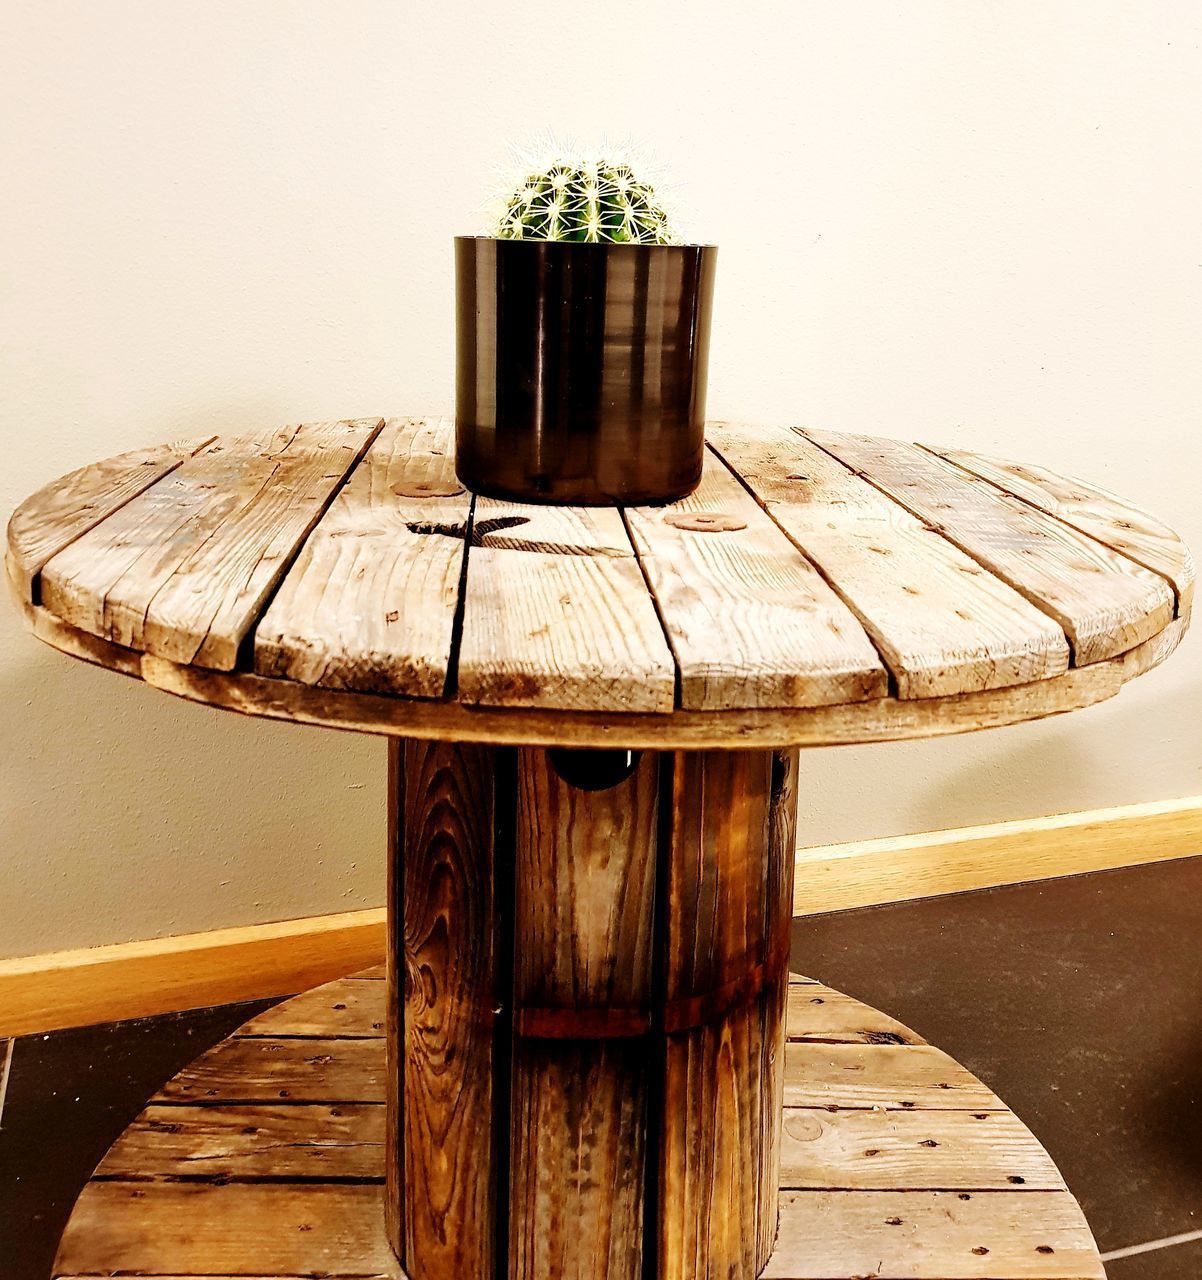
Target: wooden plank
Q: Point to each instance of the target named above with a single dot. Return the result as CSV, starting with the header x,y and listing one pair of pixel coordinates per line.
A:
x,y
585,873
578,1130
712,1159
893,1077
782,844
557,614
291,1229
1101,514
264,1070
750,620
319,1142
1105,602
912,1151
183,569
817,1013
585,885
864,873
395,977
942,626
348,1007
933,1235
68,507
220,966
448,968
876,720
370,602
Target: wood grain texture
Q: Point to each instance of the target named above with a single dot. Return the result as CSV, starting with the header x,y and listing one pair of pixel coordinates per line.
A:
x,y
879,720
585,882
68,507
784,781
556,614
239,1228
750,621
289,1070
370,602
184,568
933,1235
346,1009
451,987
924,1194
916,1150
817,1013
1101,514
941,624
562,639
892,1077
1105,602
713,1159
305,1142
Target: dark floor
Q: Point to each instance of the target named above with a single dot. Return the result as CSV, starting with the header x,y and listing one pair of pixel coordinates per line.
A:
x,y
1079,1001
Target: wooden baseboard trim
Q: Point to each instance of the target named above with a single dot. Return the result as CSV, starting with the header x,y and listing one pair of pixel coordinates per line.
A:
x,y
870,873
138,979
160,975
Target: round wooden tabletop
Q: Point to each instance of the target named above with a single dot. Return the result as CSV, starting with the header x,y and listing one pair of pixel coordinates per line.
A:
x,y
816,588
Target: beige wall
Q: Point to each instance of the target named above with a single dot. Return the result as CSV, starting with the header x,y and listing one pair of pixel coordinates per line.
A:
x,y
223,215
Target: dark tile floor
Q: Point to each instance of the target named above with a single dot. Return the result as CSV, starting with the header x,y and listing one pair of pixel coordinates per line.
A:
x,y
69,1096
1079,1001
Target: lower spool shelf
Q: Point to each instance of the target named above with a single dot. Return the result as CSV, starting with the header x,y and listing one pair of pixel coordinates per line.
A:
x,y
265,1158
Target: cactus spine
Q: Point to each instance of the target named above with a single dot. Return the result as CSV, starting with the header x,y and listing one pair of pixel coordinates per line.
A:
x,y
591,201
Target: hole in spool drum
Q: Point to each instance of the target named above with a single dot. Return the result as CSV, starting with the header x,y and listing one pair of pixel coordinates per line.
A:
x,y
593,770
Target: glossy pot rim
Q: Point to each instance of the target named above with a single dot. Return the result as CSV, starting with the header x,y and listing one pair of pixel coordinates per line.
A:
x,y
585,244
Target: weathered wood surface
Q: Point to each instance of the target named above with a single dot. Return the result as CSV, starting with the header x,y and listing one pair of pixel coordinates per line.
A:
x,y
447,880
347,1009
716,1151
584,880
895,1077
778,898
371,601
556,614
309,1141
354,1008
305,1069
184,568
1102,515
941,623
340,576
288,1228
276,1190
1105,602
876,720
933,1235
916,1150
751,621
67,508
818,1013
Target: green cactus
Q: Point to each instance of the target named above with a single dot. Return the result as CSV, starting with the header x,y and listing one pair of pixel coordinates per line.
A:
x,y
592,201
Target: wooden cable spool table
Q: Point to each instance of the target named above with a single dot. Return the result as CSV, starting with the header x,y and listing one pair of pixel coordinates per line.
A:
x,y
596,1062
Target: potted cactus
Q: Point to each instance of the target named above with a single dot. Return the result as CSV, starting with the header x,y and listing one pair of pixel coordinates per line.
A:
x,y
582,344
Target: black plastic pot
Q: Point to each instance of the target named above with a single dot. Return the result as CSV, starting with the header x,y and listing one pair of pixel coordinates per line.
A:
x,y
581,369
